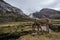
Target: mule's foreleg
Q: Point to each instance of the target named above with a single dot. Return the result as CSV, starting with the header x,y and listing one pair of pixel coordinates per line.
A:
x,y
33,28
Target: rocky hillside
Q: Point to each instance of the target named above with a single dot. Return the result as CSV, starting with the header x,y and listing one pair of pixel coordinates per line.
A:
x,y
49,13
9,13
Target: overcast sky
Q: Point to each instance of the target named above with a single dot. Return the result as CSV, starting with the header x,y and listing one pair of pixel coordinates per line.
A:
x,y
30,6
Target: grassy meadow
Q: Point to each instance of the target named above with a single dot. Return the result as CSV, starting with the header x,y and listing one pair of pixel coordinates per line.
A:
x,y
17,26
14,26
16,29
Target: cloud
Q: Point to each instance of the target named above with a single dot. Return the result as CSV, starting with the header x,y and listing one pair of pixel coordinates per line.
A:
x,y
30,6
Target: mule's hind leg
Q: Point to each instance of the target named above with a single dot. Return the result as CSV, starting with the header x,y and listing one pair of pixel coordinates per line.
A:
x,y
38,29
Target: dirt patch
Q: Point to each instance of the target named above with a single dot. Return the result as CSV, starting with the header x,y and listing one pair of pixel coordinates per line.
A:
x,y
51,36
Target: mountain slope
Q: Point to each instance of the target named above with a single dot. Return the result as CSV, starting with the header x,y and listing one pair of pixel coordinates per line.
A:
x,y
49,13
9,13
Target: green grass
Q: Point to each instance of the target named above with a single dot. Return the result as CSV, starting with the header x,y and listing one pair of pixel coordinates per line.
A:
x,y
19,26
16,27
